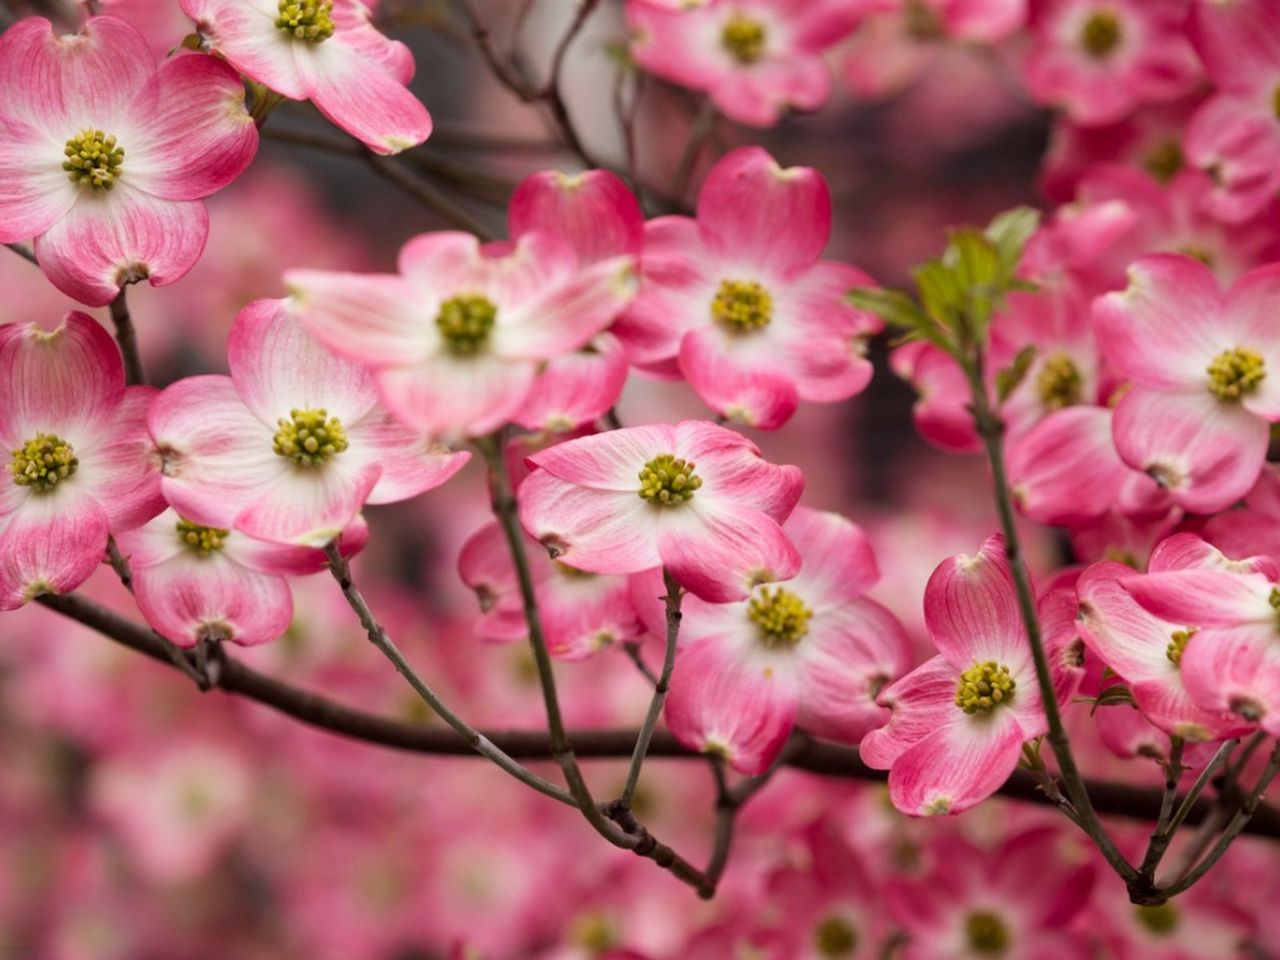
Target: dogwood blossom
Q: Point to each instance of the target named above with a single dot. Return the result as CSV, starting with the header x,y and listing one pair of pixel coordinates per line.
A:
x,y
738,301
811,652
106,157
80,465
325,51
694,498
292,445
958,722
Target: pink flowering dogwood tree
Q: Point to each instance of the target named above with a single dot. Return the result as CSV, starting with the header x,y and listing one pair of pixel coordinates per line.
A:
x,y
621,402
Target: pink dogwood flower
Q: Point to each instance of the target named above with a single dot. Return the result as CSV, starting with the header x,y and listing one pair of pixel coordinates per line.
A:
x,y
582,613
739,302
80,464
193,582
1235,135
1099,59
693,497
1146,652
812,652
756,59
1204,369
292,445
1232,611
325,51
958,721
456,338
105,157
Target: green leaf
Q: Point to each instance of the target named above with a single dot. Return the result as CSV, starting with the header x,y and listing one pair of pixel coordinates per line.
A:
x,y
1009,233
892,306
1008,379
1114,695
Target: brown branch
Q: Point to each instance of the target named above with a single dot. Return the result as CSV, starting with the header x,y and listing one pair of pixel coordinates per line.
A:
x,y
804,753
127,338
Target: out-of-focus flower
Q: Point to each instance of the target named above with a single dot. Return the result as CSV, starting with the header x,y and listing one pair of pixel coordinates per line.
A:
x,y
105,158
1203,372
1254,529
741,303
959,721
1231,659
1016,902
581,612
1235,135
813,652
694,498
325,51
1099,59
457,337
292,444
755,58
79,463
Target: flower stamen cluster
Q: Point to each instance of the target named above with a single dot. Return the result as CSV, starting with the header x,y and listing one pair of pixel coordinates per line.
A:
x,y
742,306
1235,373
203,539
985,686
1159,918
1101,34
1178,645
668,480
466,322
309,437
835,937
306,19
986,933
783,618
744,38
1059,383
43,462
94,159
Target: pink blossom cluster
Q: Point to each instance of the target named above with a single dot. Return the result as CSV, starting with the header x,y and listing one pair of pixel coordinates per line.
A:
x,y
691,504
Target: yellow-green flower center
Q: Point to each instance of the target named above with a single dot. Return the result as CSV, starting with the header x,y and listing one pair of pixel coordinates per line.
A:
x,y
835,937
986,933
1160,919
309,437
1059,382
466,322
43,462
1101,34
668,480
202,539
306,19
783,618
742,305
94,159
1178,645
985,686
594,933
1164,160
744,38
1236,372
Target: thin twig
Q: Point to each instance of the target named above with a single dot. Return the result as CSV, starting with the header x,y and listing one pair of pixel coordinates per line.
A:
x,y
25,252
341,571
633,652
127,338
1163,833
1188,801
428,196
672,603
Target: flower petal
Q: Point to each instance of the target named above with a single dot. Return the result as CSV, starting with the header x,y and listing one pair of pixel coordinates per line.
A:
x,y
957,766
728,702
373,318
720,554
113,237
448,396
51,544
122,470
971,609
309,505
919,703
607,461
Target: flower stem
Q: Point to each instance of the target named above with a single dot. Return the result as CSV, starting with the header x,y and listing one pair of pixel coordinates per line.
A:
x,y
341,571
127,338
672,601
1163,833
991,430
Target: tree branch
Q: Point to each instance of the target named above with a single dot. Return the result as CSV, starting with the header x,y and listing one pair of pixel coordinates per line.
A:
x,y
803,752
127,338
